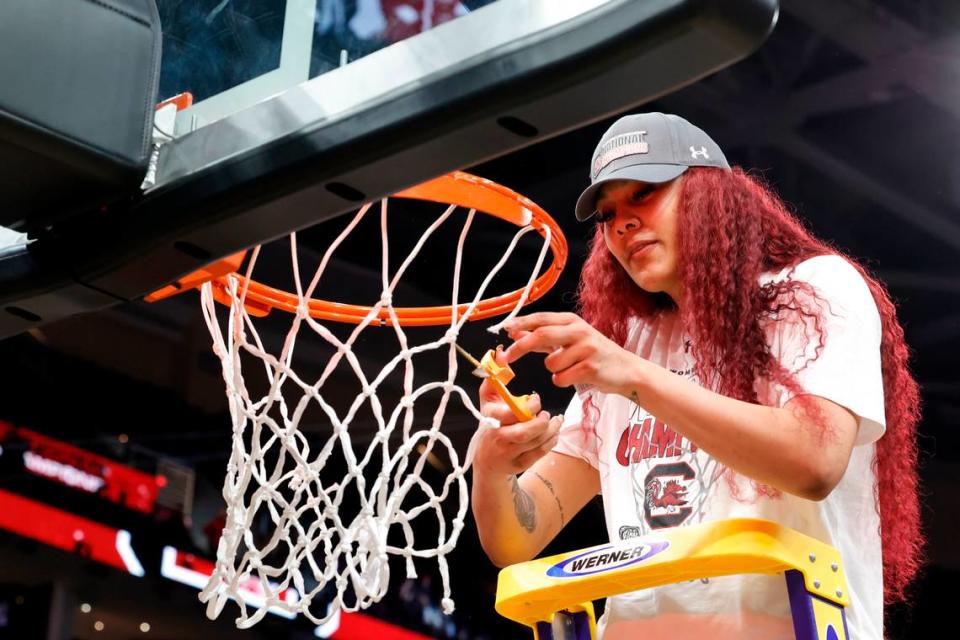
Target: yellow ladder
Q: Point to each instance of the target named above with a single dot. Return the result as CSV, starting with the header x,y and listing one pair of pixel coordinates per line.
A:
x,y
554,595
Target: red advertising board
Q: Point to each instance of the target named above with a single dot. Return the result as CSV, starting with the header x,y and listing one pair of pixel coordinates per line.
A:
x,y
57,528
84,471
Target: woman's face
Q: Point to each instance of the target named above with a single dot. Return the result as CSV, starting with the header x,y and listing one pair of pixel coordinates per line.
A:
x,y
640,227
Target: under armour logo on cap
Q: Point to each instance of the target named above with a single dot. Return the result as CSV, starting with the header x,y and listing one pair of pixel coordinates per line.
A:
x,y
699,153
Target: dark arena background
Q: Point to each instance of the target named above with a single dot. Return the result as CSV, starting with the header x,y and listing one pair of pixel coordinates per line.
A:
x,y
115,420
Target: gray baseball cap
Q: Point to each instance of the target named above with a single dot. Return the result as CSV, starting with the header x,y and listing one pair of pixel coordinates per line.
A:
x,y
649,147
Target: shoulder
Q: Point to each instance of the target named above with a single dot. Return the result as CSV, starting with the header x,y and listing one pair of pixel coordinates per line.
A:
x,y
830,272
839,291
823,270
834,280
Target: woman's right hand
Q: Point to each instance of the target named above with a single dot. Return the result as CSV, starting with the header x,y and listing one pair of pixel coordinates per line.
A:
x,y
515,446
517,513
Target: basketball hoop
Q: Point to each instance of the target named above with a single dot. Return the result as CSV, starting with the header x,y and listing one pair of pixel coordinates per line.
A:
x,y
274,468
458,188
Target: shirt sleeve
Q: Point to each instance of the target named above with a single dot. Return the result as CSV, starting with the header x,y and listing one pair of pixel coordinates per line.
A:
x,y
574,439
845,366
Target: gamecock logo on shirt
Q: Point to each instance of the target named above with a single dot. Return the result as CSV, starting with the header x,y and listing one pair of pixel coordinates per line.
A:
x,y
665,501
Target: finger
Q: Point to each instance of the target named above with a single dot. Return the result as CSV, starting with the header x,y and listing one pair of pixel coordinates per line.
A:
x,y
580,373
546,339
565,358
548,446
536,320
516,335
488,393
498,409
523,433
549,434
533,403
542,446
494,399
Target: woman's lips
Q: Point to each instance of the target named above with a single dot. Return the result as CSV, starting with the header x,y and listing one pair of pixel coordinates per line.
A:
x,y
639,249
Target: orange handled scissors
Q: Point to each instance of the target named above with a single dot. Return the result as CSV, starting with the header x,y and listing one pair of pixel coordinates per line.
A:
x,y
499,375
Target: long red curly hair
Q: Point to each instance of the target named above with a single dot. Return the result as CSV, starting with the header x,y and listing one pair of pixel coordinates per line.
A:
x,y
732,228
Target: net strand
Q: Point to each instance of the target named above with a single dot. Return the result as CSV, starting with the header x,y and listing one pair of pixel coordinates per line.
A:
x,y
273,473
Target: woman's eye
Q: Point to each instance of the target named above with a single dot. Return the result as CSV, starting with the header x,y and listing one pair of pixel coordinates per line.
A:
x,y
641,193
604,216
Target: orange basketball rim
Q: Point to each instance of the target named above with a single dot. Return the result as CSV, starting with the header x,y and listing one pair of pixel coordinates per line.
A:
x,y
458,188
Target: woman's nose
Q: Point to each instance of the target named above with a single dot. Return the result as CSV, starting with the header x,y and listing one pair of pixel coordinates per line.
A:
x,y
625,221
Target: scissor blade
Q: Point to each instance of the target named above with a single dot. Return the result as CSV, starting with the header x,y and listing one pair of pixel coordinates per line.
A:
x,y
478,370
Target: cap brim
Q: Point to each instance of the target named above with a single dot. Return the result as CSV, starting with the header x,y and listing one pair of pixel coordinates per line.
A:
x,y
652,173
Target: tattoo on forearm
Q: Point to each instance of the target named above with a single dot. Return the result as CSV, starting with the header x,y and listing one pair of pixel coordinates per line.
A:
x,y
524,507
554,493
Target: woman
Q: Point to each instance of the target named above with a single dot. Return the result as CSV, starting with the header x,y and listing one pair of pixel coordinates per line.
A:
x,y
728,364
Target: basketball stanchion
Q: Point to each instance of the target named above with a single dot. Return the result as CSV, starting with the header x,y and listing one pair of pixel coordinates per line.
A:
x,y
554,595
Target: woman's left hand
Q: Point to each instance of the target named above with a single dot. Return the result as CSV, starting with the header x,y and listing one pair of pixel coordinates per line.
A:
x,y
578,354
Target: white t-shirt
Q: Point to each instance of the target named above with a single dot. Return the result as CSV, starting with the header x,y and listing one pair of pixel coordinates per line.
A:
x,y
653,479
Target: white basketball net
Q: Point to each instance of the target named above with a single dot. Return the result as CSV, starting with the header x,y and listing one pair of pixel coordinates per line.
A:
x,y
351,556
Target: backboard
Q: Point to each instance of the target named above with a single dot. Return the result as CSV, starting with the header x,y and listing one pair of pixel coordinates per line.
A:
x,y
303,109
232,56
